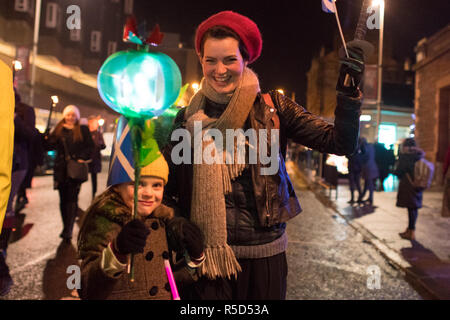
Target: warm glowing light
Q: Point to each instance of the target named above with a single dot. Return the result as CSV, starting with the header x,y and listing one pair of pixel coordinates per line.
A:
x,y
17,65
281,91
55,99
195,86
365,117
387,134
101,122
376,3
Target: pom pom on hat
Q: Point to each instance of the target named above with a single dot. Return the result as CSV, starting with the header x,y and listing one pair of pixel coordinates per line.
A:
x,y
245,28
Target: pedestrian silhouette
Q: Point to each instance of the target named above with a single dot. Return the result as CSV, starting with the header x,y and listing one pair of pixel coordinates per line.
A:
x,y
95,166
369,171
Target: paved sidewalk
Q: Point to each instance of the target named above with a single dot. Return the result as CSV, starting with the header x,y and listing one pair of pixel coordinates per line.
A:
x,y
425,261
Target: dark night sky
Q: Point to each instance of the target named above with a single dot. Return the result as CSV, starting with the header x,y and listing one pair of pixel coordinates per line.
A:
x,y
294,30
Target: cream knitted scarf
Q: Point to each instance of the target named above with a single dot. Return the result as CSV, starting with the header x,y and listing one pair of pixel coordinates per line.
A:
x,y
211,182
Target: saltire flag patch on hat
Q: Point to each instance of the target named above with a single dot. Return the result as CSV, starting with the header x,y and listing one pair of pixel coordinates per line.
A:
x,y
328,6
121,165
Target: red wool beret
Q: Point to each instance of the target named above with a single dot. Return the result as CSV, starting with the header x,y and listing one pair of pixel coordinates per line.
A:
x,y
245,28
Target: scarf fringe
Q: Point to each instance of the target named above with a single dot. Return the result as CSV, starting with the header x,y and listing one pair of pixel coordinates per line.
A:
x,y
220,262
229,173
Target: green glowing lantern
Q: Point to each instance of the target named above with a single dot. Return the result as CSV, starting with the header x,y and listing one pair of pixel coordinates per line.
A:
x,y
139,84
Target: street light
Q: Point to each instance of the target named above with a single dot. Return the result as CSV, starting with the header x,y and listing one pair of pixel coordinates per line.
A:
x,y
37,19
101,122
55,101
17,66
281,91
195,86
380,4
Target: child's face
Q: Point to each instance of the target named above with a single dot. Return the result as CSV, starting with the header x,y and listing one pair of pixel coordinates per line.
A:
x,y
150,194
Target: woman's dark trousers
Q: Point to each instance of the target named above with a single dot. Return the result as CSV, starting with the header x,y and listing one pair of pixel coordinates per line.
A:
x,y
412,218
68,197
94,184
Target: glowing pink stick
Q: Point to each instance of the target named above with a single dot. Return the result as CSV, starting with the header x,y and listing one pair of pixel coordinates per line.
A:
x,y
173,286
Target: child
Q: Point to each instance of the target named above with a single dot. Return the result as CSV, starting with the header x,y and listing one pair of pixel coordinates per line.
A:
x,y
109,235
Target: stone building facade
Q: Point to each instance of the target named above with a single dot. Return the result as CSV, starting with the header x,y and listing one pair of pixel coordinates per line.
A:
x,y
432,97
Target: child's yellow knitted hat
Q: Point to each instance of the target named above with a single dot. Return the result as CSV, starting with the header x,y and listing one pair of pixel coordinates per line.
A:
x,y
158,168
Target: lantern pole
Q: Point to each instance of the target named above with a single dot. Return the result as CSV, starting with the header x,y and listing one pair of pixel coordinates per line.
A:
x,y
136,127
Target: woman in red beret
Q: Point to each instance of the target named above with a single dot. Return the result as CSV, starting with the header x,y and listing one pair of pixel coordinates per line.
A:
x,y
242,206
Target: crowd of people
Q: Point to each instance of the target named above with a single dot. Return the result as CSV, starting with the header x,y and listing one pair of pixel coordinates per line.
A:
x,y
375,162
221,226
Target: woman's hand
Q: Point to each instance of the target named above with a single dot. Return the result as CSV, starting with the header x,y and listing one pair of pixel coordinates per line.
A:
x,y
352,68
185,235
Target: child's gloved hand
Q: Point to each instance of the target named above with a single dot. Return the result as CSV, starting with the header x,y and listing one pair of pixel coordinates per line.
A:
x,y
132,237
185,235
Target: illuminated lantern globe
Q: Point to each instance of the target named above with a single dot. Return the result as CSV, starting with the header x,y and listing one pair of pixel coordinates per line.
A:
x,y
138,83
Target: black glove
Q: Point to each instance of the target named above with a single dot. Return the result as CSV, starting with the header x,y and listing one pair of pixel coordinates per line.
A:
x,y
132,237
354,67
185,235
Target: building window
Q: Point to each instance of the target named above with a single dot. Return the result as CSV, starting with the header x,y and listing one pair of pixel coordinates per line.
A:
x,y
75,35
112,47
51,17
128,9
21,5
96,37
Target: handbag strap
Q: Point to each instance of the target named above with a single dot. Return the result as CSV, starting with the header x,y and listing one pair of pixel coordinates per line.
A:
x,y
66,152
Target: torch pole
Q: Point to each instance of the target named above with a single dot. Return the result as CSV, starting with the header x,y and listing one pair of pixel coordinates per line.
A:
x,y
50,117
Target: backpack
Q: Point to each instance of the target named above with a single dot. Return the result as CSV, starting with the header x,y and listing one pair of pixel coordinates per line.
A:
x,y
423,174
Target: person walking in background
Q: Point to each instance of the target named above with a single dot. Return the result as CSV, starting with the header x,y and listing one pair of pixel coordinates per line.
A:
x,y
369,171
382,159
23,136
35,152
354,173
74,139
408,196
95,166
6,160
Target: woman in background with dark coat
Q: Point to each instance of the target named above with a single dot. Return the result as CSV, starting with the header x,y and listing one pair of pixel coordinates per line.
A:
x,y
408,196
79,144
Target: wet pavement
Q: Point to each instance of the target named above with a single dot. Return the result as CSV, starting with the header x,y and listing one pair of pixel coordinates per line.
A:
x,y
327,257
425,261
39,260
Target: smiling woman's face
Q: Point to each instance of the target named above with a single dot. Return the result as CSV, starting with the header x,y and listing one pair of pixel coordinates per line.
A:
x,y
70,118
222,64
150,194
